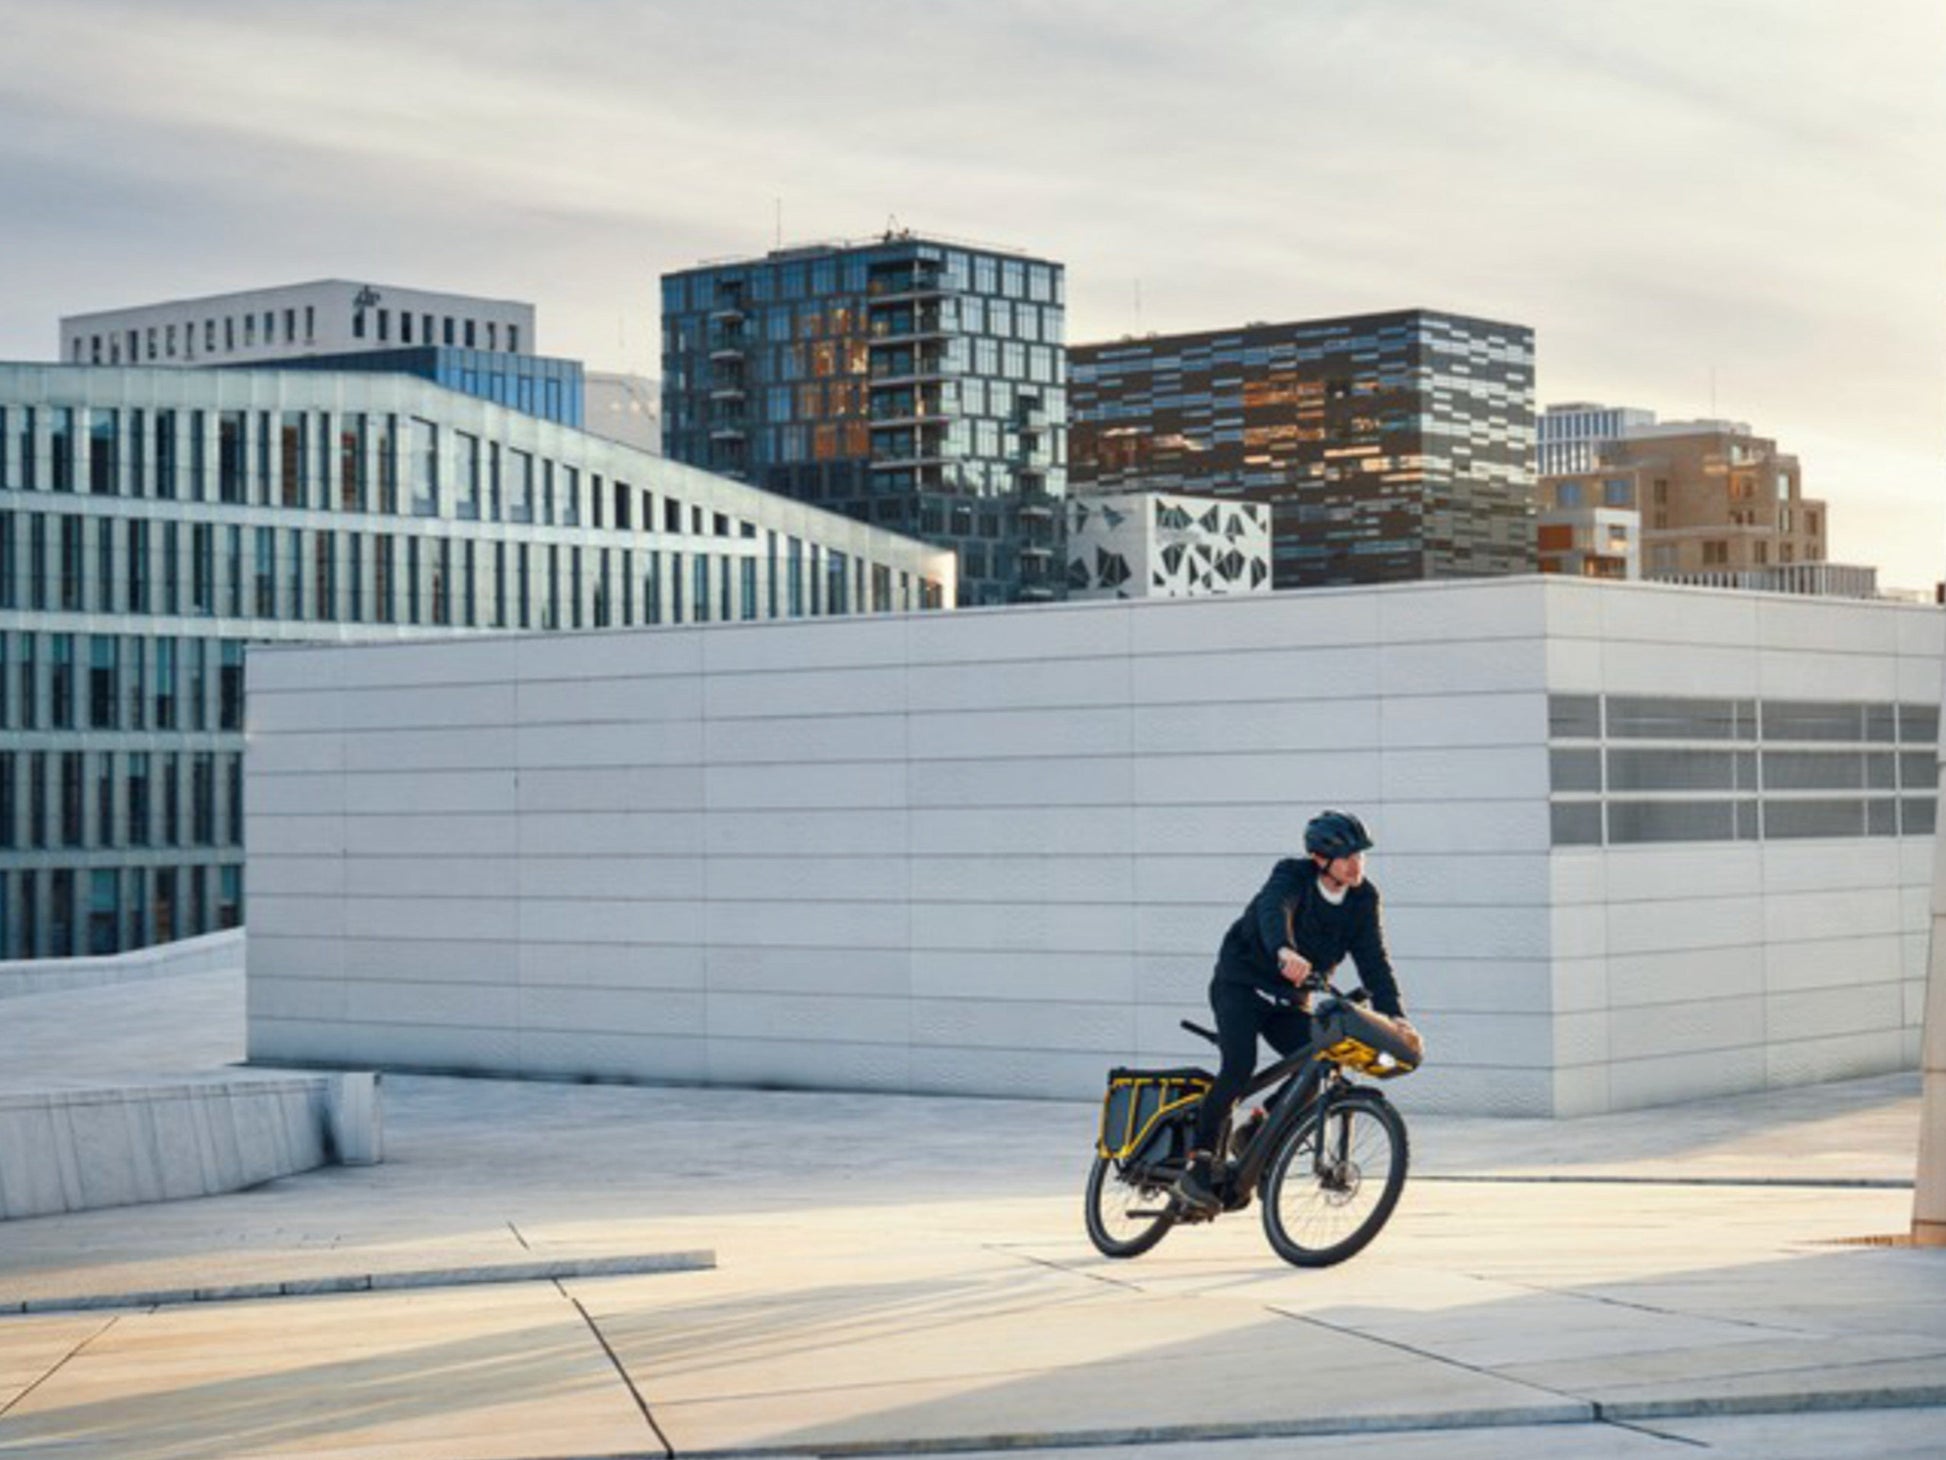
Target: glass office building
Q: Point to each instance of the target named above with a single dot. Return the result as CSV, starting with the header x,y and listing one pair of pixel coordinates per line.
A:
x,y
156,521
1388,446
915,384
539,385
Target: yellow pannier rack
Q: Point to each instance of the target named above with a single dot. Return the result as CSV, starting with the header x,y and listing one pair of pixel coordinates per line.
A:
x,y
1139,1100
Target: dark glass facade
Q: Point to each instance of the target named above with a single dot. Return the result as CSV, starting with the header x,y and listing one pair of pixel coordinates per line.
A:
x,y
1388,447
913,384
536,384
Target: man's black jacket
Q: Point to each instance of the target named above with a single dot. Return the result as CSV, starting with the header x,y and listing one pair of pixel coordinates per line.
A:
x,y
1290,911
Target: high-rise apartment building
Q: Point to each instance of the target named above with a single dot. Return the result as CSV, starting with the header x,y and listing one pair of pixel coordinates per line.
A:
x,y
153,522
1387,446
912,383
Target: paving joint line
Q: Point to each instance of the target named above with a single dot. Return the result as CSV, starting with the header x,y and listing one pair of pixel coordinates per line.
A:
x,y
1642,1429
1594,1411
1061,1267
1590,1296
614,1360
541,1270
1543,1178
62,1363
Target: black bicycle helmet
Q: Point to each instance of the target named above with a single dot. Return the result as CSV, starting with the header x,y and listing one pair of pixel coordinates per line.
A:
x,y
1336,834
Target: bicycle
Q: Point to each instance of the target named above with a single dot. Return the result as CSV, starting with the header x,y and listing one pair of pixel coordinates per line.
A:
x,y
1328,1154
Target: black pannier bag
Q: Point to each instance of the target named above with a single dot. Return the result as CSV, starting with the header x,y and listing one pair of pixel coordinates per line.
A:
x,y
1138,1107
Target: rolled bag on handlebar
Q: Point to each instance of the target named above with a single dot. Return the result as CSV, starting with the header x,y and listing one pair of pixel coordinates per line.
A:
x,y
1365,1040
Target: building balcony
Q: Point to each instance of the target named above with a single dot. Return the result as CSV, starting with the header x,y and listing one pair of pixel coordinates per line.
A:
x,y
915,457
891,326
727,431
905,372
904,281
1036,505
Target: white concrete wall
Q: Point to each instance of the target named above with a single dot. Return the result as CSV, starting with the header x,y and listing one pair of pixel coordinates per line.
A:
x,y
1684,970
74,1149
20,976
995,851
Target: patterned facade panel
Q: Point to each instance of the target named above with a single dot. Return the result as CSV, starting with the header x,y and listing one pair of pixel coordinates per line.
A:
x,y
1162,545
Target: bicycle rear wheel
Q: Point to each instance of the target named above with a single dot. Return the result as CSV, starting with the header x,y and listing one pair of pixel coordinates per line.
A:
x,y
1125,1217
1320,1212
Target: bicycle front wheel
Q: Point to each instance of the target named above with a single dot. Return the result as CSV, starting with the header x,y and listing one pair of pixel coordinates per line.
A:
x,y
1125,1218
1320,1209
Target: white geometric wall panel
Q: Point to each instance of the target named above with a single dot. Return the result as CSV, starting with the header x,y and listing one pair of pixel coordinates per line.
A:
x,y
995,851
1165,545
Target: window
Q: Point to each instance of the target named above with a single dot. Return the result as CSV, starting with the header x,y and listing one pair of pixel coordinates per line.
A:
x,y
266,573
423,451
104,690
229,456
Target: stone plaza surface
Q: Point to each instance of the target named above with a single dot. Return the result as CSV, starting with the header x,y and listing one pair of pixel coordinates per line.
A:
x,y
894,1275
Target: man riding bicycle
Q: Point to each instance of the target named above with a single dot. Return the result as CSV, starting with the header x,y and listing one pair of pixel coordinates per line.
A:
x,y
1307,917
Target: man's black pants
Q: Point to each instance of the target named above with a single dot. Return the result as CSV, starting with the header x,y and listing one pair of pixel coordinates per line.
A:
x,y
1243,1015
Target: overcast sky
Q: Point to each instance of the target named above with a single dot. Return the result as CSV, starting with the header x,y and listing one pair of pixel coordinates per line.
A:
x,y
1731,207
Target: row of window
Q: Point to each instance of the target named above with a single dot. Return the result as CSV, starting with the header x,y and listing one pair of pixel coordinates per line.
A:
x,y
688,371
1671,768
842,319
465,334
1686,717
54,562
1623,822
184,340
63,912
821,277
321,461
120,682
100,799
235,332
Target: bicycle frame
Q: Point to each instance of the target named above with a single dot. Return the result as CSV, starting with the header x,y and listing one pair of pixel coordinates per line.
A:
x,y
1304,1075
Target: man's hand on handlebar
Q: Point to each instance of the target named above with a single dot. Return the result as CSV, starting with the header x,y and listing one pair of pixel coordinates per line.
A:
x,y
1293,965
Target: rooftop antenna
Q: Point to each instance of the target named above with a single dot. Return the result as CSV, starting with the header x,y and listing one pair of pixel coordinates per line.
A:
x,y
892,230
780,221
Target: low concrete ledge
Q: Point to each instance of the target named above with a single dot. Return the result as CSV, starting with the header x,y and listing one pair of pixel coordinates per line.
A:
x,y
20,976
627,1264
72,1150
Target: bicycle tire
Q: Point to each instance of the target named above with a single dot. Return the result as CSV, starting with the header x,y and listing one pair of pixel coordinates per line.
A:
x,y
1317,1220
1116,1226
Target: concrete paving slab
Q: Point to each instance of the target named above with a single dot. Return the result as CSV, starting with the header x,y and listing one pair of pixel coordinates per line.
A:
x,y
498,1374
875,1291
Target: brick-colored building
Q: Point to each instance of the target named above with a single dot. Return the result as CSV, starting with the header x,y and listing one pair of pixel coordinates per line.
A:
x,y
1710,495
